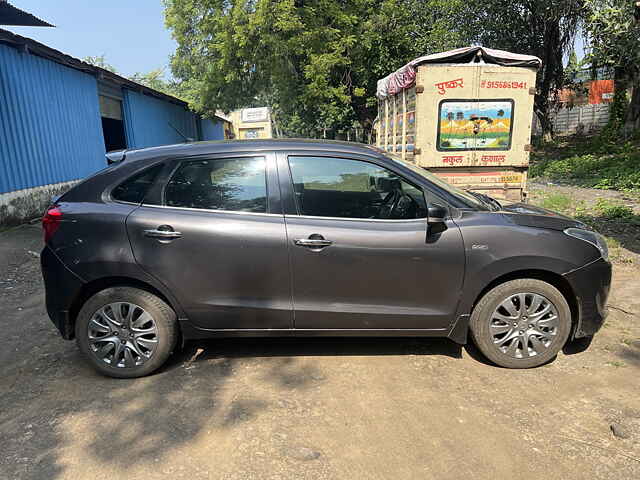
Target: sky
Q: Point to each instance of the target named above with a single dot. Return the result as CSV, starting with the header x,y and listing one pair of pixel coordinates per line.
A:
x,y
130,33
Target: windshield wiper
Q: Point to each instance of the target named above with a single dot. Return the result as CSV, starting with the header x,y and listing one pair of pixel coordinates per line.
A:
x,y
492,203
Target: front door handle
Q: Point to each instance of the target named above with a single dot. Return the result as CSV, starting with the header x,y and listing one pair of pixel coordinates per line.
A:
x,y
163,232
309,242
314,242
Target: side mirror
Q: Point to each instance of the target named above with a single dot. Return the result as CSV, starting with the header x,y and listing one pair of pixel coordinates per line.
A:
x,y
437,213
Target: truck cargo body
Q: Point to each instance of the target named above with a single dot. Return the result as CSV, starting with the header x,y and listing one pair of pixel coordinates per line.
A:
x,y
469,123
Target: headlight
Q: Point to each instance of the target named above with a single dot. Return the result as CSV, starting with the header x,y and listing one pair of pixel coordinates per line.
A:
x,y
593,238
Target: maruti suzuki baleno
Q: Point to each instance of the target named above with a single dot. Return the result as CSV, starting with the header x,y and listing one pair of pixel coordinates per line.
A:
x,y
292,237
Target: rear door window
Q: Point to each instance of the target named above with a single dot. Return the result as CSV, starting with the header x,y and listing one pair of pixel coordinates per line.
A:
x,y
233,184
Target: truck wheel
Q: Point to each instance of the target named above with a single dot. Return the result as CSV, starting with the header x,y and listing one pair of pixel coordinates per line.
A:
x,y
126,332
521,323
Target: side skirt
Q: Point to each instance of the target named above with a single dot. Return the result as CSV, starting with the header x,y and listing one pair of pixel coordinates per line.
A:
x,y
457,332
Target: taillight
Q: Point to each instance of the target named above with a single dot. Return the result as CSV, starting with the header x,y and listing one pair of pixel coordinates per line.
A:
x,y
51,222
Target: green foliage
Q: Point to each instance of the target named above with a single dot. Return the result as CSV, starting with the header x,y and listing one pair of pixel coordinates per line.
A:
x,y
614,41
614,211
99,61
556,202
613,32
545,28
315,62
597,163
156,79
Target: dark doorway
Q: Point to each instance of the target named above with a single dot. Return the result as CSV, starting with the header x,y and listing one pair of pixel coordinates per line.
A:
x,y
113,131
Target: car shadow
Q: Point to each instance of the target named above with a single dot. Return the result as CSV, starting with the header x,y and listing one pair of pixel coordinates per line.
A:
x,y
314,346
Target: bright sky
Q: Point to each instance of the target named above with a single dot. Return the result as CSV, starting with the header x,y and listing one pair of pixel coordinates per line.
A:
x,y
130,33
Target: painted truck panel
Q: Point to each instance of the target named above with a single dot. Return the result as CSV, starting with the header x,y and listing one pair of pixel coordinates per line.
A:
x,y
468,123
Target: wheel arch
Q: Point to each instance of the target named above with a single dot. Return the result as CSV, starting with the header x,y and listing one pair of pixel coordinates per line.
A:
x,y
552,278
91,288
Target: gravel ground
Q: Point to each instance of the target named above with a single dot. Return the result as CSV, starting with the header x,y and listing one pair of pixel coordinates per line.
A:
x,y
312,408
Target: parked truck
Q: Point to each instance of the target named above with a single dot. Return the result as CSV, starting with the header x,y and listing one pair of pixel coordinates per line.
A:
x,y
465,115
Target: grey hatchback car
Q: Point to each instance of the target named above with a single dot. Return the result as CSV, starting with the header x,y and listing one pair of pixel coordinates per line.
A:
x,y
294,237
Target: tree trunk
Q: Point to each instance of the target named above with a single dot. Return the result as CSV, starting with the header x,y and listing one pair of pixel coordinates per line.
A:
x,y
546,125
632,118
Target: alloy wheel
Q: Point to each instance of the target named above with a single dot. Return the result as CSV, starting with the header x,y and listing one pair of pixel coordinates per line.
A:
x,y
122,335
524,325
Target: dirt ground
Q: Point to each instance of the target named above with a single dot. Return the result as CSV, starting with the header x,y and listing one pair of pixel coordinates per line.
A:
x,y
312,408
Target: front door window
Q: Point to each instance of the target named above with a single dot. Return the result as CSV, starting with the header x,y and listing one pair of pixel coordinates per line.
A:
x,y
344,188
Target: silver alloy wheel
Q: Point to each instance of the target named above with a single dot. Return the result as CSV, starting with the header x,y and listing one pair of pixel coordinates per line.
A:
x,y
122,335
524,325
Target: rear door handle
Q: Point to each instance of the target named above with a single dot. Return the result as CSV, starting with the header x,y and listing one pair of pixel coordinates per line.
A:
x,y
162,234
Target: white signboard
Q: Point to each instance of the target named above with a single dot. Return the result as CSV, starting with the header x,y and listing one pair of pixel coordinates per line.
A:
x,y
255,114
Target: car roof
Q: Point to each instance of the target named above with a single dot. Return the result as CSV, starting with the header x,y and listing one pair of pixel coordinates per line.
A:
x,y
230,146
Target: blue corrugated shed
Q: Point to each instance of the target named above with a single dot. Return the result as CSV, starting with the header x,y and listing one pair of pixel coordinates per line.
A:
x,y
212,129
150,121
50,128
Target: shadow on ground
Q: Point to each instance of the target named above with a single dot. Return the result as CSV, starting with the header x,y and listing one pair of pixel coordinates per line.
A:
x,y
124,423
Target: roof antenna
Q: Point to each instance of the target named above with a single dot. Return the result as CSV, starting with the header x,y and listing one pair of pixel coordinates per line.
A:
x,y
186,139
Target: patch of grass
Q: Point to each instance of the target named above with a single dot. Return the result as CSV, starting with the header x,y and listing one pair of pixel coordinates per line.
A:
x,y
596,163
556,202
616,364
615,211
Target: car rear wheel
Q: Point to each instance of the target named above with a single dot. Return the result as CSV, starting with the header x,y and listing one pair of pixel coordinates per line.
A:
x,y
126,332
521,323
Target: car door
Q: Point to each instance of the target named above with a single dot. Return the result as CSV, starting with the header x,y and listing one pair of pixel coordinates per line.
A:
x,y
355,264
213,232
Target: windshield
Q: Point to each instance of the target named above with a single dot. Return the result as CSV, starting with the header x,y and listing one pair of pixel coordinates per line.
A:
x,y
467,199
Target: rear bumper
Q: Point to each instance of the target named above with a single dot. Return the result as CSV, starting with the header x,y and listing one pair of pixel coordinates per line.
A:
x,y
591,285
61,288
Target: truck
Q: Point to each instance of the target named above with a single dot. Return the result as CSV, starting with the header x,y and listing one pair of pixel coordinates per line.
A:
x,y
464,115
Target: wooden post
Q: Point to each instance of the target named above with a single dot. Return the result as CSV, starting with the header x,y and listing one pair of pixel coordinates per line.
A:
x,y
395,122
404,123
386,122
379,136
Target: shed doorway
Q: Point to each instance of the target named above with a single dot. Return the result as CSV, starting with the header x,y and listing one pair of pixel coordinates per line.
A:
x,y
112,124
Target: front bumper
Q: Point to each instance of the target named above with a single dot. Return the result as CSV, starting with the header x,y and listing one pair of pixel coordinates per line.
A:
x,y
61,288
591,285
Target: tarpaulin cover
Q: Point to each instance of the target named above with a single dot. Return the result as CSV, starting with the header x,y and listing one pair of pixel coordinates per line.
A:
x,y
405,76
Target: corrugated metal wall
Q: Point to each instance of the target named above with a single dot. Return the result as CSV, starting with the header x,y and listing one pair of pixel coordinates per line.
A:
x,y
212,129
150,121
50,128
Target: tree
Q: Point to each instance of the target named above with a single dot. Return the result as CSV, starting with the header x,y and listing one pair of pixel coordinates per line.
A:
x,y
315,62
156,79
99,61
613,30
544,28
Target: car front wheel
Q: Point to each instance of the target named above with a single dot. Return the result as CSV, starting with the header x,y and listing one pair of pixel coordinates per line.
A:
x,y
521,323
126,332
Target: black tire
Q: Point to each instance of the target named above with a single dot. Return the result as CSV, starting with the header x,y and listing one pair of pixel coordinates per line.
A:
x,y
481,320
162,314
